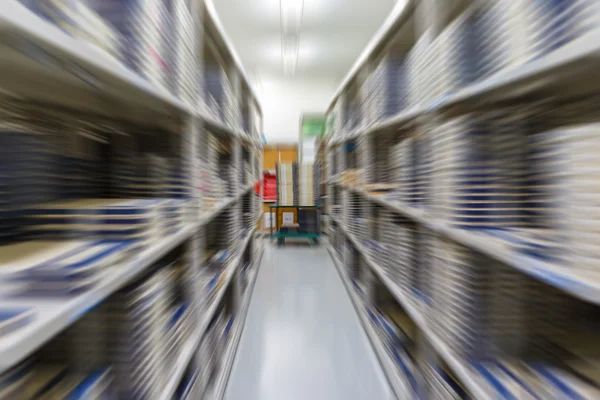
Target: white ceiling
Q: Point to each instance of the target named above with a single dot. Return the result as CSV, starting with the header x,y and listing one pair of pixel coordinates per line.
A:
x,y
332,35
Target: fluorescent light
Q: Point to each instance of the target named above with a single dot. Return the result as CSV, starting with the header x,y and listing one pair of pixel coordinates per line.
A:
x,y
290,48
290,59
291,20
291,15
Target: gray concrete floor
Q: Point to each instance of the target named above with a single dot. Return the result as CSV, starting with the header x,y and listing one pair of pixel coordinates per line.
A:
x,y
302,338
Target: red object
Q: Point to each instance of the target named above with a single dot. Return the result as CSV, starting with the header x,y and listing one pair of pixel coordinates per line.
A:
x,y
269,186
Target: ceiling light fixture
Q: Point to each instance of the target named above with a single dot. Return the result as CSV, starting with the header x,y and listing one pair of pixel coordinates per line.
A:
x,y
291,15
290,50
291,21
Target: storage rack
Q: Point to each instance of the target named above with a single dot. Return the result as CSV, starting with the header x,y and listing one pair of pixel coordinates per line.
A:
x,y
454,196
321,185
84,122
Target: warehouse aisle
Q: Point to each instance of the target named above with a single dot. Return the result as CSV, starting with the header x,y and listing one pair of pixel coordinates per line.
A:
x,y
302,338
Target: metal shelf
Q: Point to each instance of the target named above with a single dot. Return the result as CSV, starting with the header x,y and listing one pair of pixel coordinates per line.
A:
x,y
222,35
245,243
459,366
220,382
42,64
55,315
563,70
221,129
560,79
74,73
63,55
385,360
210,215
578,285
566,68
189,349
52,316
183,360
259,254
397,17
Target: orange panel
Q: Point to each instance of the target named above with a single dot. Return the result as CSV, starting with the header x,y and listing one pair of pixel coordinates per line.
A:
x,y
270,158
288,154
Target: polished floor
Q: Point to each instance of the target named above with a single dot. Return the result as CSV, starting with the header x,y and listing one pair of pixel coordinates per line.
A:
x,y
302,338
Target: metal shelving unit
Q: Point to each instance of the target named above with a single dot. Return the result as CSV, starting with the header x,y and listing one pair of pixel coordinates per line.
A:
x,y
551,72
469,246
585,288
220,382
188,351
56,315
359,305
461,367
164,135
81,65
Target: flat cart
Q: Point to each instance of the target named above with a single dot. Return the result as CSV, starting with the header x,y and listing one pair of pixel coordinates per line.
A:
x,y
308,219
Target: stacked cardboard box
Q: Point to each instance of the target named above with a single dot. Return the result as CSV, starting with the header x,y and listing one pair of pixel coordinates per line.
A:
x,y
287,184
307,185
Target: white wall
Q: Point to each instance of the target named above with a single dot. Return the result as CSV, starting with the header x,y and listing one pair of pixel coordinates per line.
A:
x,y
285,99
